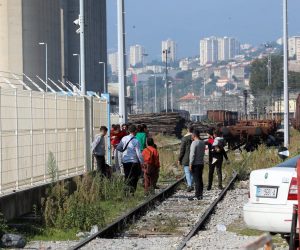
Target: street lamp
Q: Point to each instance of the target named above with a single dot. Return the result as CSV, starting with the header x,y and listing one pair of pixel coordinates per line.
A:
x,y
171,84
166,52
155,96
104,76
46,65
285,74
79,70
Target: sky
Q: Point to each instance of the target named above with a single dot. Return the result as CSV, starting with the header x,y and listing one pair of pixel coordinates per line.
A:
x,y
148,22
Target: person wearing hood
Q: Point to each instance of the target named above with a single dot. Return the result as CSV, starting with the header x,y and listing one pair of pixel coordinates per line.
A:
x,y
184,157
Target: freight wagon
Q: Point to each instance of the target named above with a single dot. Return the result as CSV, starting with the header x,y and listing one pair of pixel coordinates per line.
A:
x,y
224,117
296,122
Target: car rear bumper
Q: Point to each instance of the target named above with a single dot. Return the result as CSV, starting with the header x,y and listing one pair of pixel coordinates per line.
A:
x,y
269,218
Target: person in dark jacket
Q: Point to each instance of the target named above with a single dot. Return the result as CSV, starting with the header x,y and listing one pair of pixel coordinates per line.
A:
x,y
218,153
184,157
197,164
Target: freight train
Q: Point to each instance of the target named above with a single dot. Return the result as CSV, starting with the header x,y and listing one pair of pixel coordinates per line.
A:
x,y
296,121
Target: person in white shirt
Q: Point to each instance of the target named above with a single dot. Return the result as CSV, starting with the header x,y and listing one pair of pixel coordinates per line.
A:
x,y
132,158
98,149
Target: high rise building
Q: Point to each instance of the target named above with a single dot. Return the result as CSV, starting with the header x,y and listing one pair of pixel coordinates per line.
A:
x,y
171,46
208,50
26,23
214,49
228,48
223,49
113,62
294,48
298,50
136,55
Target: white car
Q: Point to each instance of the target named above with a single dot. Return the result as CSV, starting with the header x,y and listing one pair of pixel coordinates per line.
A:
x,y
273,192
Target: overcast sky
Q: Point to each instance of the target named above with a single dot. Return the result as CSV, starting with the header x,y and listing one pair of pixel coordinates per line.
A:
x,y
148,22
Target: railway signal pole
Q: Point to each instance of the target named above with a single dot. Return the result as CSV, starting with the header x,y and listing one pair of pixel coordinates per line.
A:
x,y
285,74
166,52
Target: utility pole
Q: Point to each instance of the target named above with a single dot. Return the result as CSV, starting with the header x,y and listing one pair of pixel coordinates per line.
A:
x,y
82,52
122,65
172,105
245,103
155,95
166,52
285,74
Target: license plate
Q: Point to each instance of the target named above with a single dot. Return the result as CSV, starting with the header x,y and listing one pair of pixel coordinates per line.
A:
x,y
266,192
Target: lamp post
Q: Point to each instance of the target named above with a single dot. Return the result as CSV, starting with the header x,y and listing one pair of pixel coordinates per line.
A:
x,y
166,52
46,64
104,76
79,75
285,74
155,95
171,84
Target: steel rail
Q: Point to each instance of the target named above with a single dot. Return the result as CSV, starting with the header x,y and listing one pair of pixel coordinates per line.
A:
x,y
116,227
200,224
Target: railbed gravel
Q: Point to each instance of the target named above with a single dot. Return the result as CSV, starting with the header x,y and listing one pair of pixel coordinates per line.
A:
x,y
227,212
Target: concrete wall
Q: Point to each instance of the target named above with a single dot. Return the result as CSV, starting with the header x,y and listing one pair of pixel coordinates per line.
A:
x,y
95,42
41,23
25,23
11,33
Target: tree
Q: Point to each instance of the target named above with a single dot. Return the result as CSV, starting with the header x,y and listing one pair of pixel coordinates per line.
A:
x,y
259,76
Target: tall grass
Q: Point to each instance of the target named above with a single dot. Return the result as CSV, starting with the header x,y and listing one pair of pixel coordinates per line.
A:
x,y
83,208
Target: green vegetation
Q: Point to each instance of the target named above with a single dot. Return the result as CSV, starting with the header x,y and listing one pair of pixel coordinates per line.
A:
x,y
259,75
95,201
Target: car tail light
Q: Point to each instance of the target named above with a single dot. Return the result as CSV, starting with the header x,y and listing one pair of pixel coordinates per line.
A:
x,y
293,191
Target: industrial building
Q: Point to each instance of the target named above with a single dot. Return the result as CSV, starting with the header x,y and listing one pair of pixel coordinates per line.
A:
x,y
26,23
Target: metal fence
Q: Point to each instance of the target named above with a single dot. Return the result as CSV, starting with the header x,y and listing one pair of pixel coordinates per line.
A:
x,y
35,125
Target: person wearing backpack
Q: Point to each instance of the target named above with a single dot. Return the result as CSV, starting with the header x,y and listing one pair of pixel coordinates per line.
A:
x,y
151,166
218,153
132,158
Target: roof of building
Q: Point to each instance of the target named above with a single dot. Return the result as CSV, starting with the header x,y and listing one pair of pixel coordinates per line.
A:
x,y
189,97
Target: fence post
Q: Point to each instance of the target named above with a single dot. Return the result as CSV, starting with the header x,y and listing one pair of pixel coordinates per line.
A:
x,y
107,98
67,132
17,138
31,138
44,132
87,133
56,138
76,135
1,166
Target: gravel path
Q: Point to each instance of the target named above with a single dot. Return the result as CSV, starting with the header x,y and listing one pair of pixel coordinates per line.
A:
x,y
228,211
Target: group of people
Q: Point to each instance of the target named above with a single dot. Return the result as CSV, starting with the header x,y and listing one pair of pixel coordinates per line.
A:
x,y
191,157
135,155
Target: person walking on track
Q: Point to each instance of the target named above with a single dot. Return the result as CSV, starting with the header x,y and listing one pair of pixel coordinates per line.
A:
x,y
184,157
197,164
98,149
132,158
217,160
151,166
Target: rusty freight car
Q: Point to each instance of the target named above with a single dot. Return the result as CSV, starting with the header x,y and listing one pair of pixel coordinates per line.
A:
x,y
224,117
296,122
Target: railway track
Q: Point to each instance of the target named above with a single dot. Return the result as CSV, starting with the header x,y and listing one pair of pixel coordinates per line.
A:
x,y
172,223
